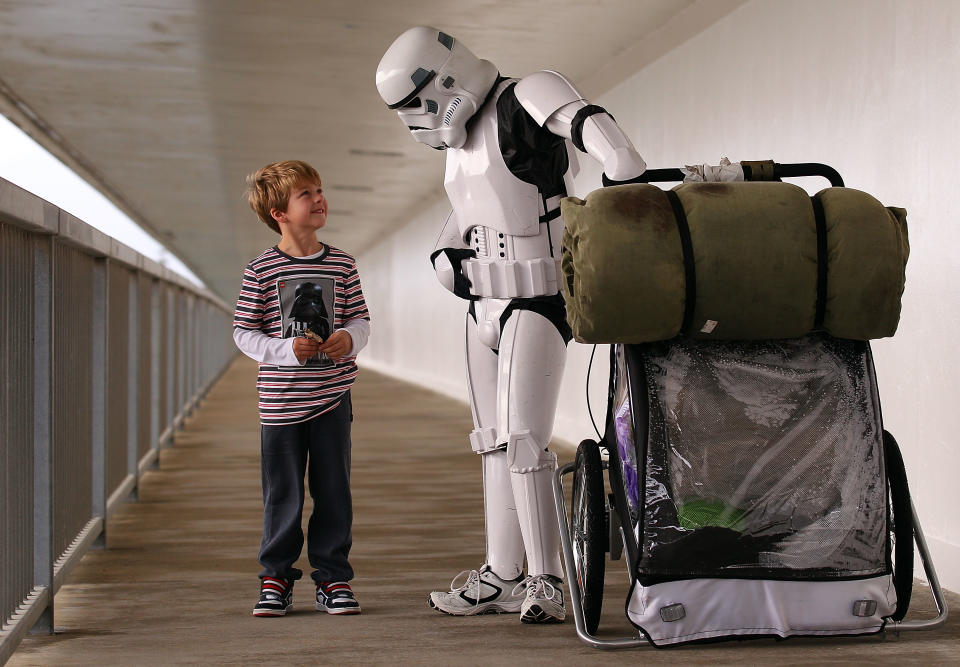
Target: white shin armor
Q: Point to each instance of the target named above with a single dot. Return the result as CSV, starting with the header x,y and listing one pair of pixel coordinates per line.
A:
x,y
505,543
531,475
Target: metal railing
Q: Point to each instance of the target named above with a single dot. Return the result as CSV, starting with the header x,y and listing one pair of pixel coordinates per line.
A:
x,y
103,354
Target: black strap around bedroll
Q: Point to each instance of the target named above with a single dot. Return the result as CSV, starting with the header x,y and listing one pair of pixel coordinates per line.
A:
x,y
902,525
821,222
689,269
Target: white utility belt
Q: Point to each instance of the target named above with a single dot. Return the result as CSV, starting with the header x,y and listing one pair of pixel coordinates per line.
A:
x,y
512,278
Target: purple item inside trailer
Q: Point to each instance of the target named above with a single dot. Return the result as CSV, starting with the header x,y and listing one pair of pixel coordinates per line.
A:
x,y
623,421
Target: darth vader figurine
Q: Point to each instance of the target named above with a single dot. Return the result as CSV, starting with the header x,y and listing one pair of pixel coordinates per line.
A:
x,y
309,310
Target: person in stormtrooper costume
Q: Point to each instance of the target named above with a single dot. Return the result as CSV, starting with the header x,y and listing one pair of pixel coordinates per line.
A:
x,y
509,162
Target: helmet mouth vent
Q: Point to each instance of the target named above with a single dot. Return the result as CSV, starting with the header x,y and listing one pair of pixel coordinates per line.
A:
x,y
448,116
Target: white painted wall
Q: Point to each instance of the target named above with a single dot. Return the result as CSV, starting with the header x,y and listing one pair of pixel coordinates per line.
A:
x,y
868,86
416,325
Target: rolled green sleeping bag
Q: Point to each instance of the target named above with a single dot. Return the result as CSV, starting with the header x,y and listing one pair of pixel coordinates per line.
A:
x,y
752,260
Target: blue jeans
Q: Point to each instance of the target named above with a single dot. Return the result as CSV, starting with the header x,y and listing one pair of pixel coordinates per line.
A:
x,y
321,448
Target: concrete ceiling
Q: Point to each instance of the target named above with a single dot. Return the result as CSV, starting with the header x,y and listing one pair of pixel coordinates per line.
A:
x,y
166,105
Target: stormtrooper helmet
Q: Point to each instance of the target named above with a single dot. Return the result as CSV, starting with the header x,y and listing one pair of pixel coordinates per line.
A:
x,y
435,84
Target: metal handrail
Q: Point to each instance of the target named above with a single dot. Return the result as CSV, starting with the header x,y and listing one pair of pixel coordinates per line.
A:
x,y
103,318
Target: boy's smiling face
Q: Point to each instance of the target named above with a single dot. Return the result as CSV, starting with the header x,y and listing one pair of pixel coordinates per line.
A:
x,y
306,208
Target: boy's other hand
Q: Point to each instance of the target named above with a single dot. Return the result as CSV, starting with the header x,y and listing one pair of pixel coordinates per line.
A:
x,y
304,348
337,345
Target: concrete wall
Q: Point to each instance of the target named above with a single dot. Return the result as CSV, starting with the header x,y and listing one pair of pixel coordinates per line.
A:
x,y
867,86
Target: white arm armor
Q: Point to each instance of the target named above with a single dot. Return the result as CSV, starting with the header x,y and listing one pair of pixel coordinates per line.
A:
x,y
553,102
450,244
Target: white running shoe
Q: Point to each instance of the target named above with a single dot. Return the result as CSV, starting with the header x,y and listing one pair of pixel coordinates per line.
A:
x,y
544,599
483,592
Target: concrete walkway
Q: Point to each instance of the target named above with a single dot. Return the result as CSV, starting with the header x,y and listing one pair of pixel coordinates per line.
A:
x,y
178,581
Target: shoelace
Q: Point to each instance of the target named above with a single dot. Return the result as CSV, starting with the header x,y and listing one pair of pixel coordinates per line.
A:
x,y
537,586
472,582
473,579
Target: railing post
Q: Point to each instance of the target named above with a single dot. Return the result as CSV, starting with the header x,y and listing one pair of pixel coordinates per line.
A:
x,y
170,337
182,333
182,325
197,360
98,396
155,342
133,384
43,557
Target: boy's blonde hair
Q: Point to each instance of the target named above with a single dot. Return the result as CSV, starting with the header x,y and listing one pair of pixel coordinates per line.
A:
x,y
270,186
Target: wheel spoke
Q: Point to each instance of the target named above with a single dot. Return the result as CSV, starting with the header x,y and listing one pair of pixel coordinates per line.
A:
x,y
587,528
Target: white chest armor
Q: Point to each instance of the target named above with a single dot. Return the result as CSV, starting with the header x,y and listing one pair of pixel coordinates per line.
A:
x,y
481,188
499,217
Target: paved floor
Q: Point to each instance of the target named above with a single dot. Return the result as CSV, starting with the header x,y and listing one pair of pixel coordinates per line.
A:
x,y
178,581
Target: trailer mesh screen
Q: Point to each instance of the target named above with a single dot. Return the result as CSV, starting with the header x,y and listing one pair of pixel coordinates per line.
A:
x,y
762,459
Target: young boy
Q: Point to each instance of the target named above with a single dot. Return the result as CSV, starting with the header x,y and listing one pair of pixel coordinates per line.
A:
x,y
302,315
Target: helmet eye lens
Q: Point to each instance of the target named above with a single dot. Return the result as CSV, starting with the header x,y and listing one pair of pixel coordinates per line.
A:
x,y
412,104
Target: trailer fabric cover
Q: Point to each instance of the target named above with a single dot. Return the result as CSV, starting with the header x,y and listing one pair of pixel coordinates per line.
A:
x,y
753,249
759,477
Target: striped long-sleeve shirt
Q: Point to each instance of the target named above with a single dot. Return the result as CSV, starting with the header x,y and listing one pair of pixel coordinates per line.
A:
x,y
276,289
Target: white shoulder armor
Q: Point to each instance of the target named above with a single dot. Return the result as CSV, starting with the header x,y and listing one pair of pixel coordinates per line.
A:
x,y
542,93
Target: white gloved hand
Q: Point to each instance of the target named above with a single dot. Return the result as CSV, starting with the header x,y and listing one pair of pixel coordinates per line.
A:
x,y
448,263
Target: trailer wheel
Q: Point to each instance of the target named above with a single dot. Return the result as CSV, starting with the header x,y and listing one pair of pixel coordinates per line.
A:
x,y
588,531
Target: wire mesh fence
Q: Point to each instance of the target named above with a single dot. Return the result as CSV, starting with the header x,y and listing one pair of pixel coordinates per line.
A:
x,y
103,353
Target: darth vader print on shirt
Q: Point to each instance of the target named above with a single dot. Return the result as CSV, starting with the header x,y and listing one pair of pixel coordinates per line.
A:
x,y
306,309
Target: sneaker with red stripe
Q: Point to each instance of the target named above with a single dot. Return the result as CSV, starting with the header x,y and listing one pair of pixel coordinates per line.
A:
x,y
276,597
336,597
